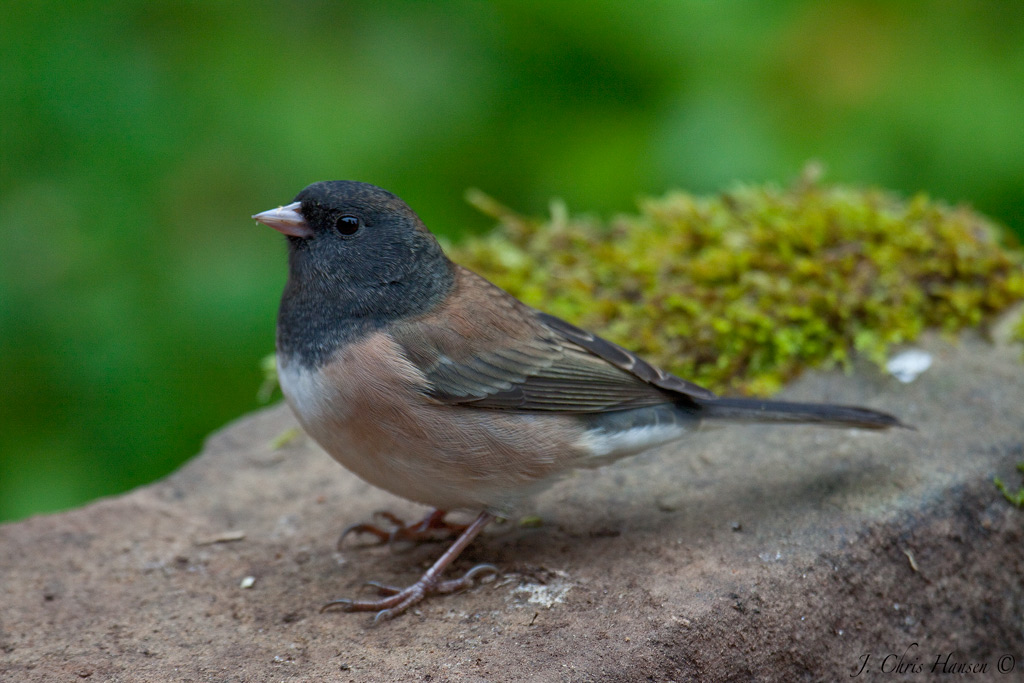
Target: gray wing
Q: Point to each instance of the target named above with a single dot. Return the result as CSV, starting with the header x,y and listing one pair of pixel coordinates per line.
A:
x,y
506,355
625,360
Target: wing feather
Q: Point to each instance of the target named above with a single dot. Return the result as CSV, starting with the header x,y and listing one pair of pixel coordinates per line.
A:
x,y
487,349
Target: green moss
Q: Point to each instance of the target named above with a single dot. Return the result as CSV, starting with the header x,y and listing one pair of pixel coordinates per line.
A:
x,y
1016,499
740,291
284,438
268,366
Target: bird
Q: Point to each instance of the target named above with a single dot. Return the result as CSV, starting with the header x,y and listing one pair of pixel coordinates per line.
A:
x,y
428,381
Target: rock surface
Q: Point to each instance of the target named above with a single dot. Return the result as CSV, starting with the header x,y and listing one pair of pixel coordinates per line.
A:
x,y
768,553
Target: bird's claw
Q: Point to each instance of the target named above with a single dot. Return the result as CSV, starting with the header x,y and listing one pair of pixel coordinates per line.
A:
x,y
396,600
343,602
433,527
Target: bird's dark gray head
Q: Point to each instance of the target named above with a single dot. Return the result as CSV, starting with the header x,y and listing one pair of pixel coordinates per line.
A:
x,y
358,258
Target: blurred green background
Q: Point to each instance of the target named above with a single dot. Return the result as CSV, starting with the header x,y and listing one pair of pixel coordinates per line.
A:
x,y
137,297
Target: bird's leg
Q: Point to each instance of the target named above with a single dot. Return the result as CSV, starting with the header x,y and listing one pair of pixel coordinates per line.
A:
x,y
398,600
433,527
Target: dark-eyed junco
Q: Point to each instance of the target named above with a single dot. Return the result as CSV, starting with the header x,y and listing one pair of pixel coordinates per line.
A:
x,y
428,381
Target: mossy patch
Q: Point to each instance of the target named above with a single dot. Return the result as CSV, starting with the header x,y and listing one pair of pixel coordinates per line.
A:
x,y
741,290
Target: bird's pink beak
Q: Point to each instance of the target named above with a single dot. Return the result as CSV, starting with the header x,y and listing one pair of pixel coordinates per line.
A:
x,y
286,220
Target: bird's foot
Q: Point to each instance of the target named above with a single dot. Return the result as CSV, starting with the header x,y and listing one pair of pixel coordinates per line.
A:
x,y
398,600
433,527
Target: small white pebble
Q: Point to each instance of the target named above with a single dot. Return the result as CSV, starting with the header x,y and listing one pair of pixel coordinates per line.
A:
x,y
248,582
908,365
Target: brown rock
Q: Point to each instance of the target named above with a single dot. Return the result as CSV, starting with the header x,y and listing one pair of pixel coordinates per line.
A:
x,y
751,552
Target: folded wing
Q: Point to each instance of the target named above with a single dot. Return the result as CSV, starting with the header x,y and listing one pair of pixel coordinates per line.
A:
x,y
489,350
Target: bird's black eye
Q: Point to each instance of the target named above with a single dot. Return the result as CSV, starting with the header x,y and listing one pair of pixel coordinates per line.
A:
x,y
347,225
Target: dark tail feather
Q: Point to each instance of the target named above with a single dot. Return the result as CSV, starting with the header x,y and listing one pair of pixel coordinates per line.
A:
x,y
758,410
